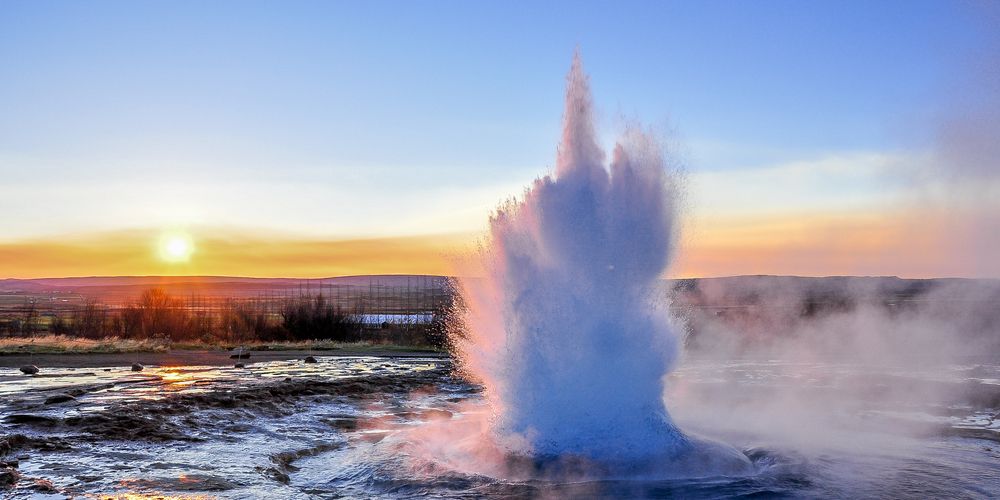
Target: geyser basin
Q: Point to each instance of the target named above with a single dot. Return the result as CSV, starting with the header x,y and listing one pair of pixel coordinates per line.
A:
x,y
566,330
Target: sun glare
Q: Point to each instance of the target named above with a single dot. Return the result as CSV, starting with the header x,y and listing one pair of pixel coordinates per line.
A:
x,y
176,248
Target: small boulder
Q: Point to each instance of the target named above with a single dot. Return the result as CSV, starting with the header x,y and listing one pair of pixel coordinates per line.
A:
x,y
59,398
29,369
27,419
240,365
310,359
44,486
137,367
9,477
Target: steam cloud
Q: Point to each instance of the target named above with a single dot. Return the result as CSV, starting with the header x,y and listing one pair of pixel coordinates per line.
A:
x,y
567,331
563,332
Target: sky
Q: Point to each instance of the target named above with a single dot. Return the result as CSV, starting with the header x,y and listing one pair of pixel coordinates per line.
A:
x,y
326,138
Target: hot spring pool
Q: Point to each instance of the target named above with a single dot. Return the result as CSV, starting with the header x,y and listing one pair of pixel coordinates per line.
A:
x,y
341,428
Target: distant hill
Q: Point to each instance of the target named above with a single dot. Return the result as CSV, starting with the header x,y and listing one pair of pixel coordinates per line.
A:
x,y
733,284
710,292
22,286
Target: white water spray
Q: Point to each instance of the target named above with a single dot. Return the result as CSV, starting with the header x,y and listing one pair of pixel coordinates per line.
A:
x,y
566,330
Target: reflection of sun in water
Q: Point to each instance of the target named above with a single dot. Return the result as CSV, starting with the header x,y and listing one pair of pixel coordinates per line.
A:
x,y
176,247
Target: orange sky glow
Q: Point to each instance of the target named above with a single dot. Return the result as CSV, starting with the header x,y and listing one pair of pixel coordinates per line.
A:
x,y
817,244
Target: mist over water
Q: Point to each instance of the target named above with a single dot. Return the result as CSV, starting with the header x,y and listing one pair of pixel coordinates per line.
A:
x,y
565,331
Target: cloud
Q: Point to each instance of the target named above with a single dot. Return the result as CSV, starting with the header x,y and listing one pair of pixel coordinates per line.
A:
x,y
852,213
823,243
827,182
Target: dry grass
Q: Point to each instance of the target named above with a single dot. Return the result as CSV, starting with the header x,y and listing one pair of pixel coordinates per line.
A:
x,y
308,345
50,344
61,344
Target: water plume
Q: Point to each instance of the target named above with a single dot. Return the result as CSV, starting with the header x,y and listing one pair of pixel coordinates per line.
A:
x,y
566,330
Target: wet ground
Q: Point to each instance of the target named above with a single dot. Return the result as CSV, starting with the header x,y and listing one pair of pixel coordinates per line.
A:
x,y
335,429
217,431
197,357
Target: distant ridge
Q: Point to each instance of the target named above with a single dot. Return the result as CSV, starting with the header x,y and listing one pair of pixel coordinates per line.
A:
x,y
105,281
242,285
389,279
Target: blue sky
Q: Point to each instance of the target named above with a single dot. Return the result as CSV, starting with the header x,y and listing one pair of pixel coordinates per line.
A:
x,y
449,84
346,113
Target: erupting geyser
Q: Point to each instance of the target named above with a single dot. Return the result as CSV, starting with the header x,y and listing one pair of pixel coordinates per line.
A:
x,y
566,329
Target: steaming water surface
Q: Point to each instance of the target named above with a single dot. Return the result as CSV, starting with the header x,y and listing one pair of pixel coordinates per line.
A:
x,y
344,428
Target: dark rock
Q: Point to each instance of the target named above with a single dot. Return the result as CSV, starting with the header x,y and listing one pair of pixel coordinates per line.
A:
x,y
136,367
240,365
29,369
124,423
275,474
44,486
24,418
9,477
283,461
346,423
12,443
240,355
18,442
310,359
59,398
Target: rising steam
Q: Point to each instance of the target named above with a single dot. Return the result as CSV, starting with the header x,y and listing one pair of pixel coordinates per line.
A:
x,y
564,330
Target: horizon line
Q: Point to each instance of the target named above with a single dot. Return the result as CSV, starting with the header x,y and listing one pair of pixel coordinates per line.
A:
x,y
212,276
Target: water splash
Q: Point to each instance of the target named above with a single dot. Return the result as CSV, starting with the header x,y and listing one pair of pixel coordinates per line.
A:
x,y
565,329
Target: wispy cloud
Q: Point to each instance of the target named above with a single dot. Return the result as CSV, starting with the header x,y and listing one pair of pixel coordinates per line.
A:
x,y
834,181
319,208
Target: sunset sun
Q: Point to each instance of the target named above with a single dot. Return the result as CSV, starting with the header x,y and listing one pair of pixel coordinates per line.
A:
x,y
176,248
